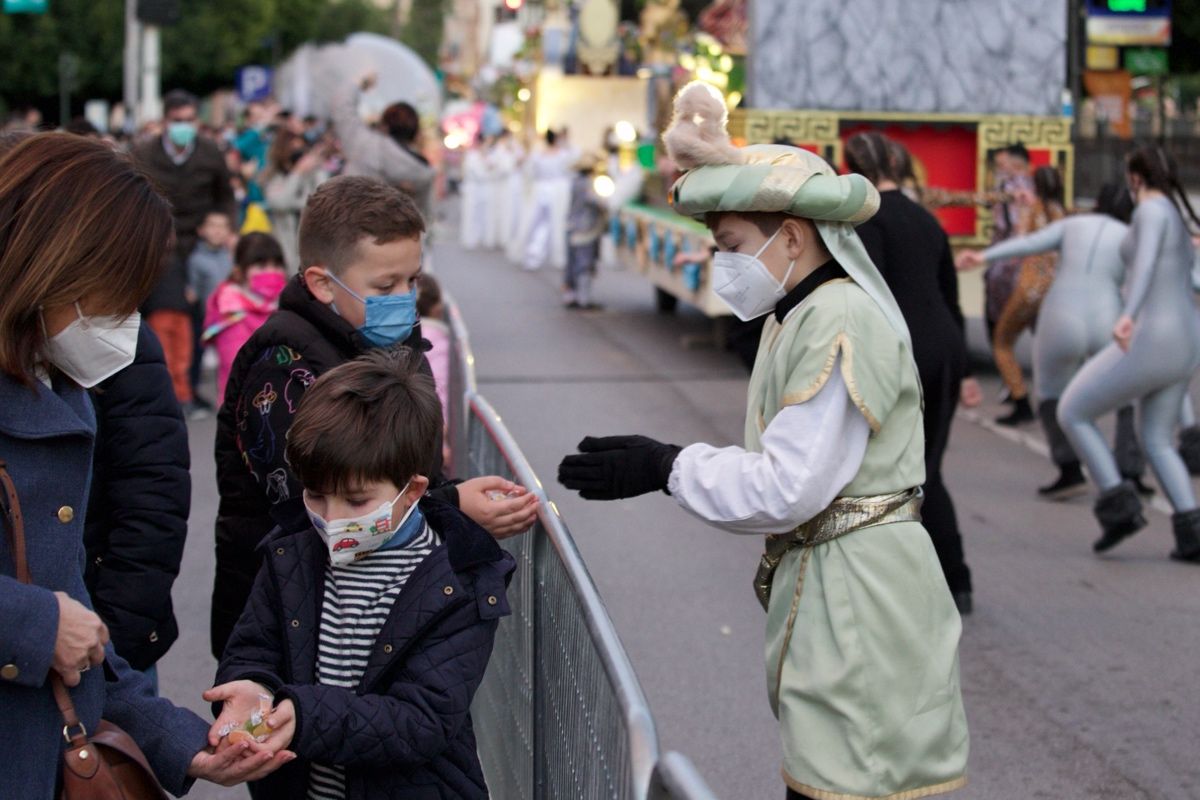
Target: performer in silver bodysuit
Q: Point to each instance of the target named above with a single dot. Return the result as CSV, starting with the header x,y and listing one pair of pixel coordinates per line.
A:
x,y
1156,349
1075,322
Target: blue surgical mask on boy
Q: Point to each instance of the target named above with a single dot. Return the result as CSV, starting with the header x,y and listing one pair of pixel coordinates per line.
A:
x,y
390,318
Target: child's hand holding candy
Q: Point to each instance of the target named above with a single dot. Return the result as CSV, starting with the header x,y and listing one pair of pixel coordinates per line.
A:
x,y
243,713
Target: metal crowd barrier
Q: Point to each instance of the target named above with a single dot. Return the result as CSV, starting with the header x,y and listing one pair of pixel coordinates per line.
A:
x,y
560,713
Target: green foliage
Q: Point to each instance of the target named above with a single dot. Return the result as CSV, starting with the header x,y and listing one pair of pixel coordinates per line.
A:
x,y
30,45
201,53
423,33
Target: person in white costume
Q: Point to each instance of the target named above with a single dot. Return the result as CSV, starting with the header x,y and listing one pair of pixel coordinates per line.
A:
x,y
475,198
546,233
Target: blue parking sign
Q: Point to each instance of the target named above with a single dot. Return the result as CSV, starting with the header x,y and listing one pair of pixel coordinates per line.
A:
x,y
253,83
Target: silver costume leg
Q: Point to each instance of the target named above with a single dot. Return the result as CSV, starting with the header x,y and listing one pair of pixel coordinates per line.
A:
x,y
1159,415
1105,383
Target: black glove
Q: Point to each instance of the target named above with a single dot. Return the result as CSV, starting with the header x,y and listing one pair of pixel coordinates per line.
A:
x,y
612,467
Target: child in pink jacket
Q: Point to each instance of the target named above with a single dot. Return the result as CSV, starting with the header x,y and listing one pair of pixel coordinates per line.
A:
x,y
241,304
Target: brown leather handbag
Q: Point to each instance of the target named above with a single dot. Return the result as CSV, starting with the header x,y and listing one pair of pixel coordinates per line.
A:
x,y
108,764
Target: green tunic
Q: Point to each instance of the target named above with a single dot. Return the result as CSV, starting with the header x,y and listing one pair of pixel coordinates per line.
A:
x,y
867,691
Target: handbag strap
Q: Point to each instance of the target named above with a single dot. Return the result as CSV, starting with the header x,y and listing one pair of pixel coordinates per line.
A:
x,y
16,524
74,731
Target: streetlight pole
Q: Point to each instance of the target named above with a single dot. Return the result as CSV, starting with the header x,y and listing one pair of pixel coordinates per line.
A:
x,y
151,107
131,66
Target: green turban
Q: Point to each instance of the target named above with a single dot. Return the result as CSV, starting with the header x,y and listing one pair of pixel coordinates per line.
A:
x,y
776,178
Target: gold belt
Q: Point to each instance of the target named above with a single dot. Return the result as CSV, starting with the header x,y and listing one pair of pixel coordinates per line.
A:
x,y
844,515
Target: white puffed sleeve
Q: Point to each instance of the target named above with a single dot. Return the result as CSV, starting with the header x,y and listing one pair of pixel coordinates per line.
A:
x,y
811,452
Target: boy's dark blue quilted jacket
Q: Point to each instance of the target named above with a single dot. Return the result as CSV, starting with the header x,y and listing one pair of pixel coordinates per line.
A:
x,y
405,732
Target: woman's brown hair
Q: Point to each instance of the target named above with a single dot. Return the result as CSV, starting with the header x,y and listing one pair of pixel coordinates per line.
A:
x,y
77,220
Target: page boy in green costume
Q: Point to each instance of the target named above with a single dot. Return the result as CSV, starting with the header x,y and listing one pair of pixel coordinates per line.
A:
x,y
862,633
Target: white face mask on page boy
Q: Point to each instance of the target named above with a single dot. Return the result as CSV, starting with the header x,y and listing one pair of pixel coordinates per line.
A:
x,y
745,284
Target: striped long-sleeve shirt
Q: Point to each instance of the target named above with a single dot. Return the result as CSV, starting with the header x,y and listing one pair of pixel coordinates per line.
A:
x,y
358,598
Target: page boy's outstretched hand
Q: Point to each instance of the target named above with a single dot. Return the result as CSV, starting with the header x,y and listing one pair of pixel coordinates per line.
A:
x,y
613,467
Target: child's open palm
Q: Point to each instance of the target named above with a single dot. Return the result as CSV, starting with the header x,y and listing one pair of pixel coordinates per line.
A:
x,y
240,699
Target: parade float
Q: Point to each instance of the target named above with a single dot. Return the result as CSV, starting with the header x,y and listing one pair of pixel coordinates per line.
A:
x,y
950,82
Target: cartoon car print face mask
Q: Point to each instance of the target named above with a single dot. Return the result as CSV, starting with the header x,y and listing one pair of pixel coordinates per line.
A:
x,y
352,538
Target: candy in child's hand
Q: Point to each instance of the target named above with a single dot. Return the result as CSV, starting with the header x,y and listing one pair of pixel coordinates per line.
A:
x,y
257,724
238,736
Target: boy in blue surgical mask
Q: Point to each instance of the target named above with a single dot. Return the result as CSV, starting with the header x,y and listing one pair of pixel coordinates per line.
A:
x,y
360,254
861,631
371,622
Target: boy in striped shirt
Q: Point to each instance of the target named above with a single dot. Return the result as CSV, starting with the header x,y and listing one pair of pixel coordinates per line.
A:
x,y
371,621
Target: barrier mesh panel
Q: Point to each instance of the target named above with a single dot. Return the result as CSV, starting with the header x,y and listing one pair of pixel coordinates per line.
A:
x,y
547,718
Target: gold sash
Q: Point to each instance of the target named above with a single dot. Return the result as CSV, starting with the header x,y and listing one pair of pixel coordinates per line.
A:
x,y
844,515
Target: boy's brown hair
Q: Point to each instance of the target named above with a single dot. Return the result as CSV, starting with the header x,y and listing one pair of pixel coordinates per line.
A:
x,y
374,418
345,210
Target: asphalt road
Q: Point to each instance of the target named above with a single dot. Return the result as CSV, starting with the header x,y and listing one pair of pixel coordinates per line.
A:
x,y
1079,672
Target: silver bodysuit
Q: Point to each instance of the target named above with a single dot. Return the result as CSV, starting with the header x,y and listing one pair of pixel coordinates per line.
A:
x,y
1163,354
1076,318
1077,315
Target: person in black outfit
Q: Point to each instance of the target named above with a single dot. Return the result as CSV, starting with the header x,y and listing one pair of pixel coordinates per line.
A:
x,y
138,508
912,252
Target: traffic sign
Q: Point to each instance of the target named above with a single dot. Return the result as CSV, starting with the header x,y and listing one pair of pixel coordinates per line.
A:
x,y
26,6
253,83
1146,60
1129,22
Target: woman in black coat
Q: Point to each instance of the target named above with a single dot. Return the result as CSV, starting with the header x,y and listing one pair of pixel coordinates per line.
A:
x,y
138,507
913,254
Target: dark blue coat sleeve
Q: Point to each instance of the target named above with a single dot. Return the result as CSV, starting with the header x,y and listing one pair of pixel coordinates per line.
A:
x,y
138,509
169,735
424,709
255,650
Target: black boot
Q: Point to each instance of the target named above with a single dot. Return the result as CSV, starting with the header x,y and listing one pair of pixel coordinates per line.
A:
x,y
1070,483
1119,512
1187,536
1022,412
1189,448
1142,488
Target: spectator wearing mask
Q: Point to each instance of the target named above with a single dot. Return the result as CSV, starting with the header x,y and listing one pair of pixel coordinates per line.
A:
x,y
241,304
360,251
293,171
191,174
432,311
82,237
208,264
